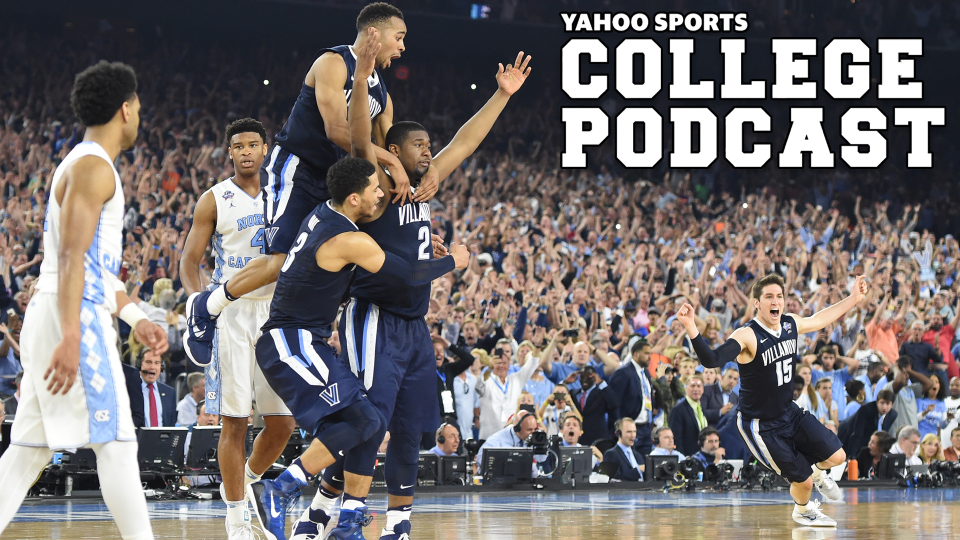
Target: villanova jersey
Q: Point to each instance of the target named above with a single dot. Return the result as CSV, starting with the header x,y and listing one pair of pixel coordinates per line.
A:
x,y
304,135
238,236
766,383
405,232
307,296
101,262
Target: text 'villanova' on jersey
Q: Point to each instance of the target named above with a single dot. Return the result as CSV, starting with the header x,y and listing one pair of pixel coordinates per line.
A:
x,y
766,388
403,230
304,134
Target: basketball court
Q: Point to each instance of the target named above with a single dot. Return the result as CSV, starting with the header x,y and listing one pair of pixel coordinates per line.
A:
x,y
874,514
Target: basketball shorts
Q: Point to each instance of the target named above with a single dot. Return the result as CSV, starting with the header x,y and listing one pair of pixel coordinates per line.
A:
x,y
291,190
233,379
97,407
789,445
308,374
394,361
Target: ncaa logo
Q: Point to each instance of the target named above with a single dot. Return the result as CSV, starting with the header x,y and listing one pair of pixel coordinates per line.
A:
x,y
211,395
102,415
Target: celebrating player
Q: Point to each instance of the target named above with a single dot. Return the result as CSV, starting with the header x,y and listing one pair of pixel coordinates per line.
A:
x,y
231,214
782,436
68,328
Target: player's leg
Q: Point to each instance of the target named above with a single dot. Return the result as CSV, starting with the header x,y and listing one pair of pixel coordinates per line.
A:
x,y
20,466
120,485
822,447
358,465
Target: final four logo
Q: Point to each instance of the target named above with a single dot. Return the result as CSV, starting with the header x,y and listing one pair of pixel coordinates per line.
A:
x,y
787,326
227,195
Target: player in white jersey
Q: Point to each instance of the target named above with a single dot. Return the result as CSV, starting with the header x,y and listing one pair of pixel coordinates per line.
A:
x,y
230,215
68,327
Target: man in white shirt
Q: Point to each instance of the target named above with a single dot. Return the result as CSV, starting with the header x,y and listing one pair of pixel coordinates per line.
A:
x,y
907,444
187,408
501,391
663,439
466,401
953,408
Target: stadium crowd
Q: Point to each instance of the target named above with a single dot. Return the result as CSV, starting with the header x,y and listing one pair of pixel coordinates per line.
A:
x,y
567,309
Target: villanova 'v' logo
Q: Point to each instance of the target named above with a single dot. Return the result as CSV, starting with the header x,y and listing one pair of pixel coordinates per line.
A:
x,y
331,395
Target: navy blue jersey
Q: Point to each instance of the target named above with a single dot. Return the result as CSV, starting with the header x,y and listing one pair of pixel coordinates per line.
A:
x,y
304,135
307,296
766,383
405,232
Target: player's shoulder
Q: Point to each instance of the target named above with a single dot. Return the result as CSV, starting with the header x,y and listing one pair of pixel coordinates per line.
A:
x,y
329,62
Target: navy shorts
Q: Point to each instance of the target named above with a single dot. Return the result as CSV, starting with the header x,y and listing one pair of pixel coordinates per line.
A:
x,y
291,190
394,362
789,445
307,374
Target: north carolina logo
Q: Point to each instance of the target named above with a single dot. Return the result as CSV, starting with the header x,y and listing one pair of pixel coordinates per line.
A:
x,y
787,326
211,395
102,416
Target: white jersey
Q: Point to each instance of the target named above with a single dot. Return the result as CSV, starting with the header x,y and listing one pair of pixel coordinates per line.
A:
x,y
101,262
238,237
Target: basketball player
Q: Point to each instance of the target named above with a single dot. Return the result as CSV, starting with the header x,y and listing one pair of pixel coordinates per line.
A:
x,y
781,435
68,328
384,334
231,214
316,385
314,137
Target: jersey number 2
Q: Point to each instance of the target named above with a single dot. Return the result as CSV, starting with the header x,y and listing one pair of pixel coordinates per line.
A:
x,y
784,371
426,244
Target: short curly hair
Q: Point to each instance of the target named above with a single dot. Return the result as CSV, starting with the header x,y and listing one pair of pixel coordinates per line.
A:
x,y
377,13
348,176
100,90
246,125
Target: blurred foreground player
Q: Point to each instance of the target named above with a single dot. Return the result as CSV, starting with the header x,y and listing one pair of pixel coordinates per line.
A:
x,y
68,328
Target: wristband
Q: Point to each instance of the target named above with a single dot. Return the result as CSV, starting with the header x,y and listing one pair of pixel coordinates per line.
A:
x,y
131,314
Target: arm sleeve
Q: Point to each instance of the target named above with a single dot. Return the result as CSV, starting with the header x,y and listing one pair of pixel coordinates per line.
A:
x,y
710,358
418,273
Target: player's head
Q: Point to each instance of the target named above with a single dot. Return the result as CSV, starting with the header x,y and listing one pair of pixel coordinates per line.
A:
x,y
767,294
571,430
353,186
410,142
248,146
106,93
388,20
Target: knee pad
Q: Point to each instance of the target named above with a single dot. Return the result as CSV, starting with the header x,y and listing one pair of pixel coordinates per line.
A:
x,y
365,418
400,470
349,427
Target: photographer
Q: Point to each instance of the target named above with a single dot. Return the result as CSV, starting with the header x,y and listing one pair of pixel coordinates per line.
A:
x,y
555,408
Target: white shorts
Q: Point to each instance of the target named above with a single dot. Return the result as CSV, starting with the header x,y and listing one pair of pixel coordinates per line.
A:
x,y
97,407
233,378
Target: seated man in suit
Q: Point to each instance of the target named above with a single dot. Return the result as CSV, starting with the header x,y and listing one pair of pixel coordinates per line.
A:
x,y
187,407
158,401
570,432
877,415
687,419
663,439
719,399
638,398
710,450
9,407
631,462
596,402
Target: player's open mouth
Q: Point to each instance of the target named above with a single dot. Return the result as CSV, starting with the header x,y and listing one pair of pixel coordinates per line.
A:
x,y
774,313
246,163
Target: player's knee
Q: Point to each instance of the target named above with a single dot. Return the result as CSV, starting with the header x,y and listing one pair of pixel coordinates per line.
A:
x,y
282,425
403,449
365,418
838,458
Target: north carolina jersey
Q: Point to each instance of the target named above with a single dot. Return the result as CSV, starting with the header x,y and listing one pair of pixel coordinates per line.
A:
x,y
304,135
101,262
403,230
238,236
766,383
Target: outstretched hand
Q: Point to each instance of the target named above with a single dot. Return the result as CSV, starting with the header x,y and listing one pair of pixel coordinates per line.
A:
x,y
511,78
367,55
860,288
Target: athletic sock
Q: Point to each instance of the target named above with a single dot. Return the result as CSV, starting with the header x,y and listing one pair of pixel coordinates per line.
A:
x,y
249,476
799,508
217,300
237,512
352,503
817,473
396,514
294,477
324,500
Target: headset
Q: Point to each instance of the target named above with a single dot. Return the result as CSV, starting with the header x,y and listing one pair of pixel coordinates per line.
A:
x,y
520,417
619,426
440,438
656,435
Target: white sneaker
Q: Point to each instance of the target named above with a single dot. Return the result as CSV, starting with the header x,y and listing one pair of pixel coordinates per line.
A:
x,y
243,531
827,486
812,516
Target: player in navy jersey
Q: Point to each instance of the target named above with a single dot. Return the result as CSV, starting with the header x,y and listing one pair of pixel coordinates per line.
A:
x,y
293,175
315,384
384,336
782,436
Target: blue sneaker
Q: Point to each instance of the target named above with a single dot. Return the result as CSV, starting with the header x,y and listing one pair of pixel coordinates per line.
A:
x,y
401,531
271,504
351,524
310,525
201,326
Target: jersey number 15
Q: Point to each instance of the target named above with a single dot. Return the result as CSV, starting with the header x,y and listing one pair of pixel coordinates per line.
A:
x,y
784,371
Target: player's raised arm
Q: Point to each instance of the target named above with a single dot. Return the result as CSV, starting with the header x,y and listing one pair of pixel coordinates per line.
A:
x,y
827,315
204,223
739,348
469,137
361,145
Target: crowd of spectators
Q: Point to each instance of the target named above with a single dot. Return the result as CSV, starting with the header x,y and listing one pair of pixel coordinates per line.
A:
x,y
567,309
